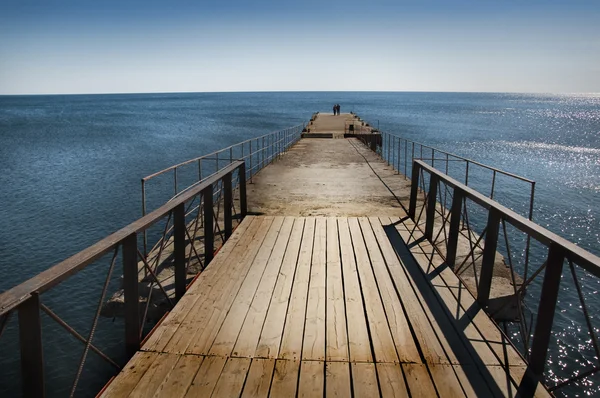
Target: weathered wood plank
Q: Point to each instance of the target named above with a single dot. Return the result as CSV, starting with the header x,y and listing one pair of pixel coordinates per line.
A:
x,y
293,333
314,330
232,378
358,334
246,343
337,338
391,380
285,379
312,379
154,376
259,378
384,348
197,291
396,318
446,381
337,380
272,331
130,375
212,289
179,379
226,319
419,383
364,380
207,377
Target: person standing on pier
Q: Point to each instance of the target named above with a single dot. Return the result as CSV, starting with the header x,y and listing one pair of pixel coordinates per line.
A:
x,y
337,109
334,109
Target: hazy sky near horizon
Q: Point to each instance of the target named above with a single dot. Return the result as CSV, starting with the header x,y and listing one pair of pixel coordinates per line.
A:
x,y
83,46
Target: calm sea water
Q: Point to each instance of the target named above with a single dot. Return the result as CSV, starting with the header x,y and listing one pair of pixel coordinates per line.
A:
x,y
71,169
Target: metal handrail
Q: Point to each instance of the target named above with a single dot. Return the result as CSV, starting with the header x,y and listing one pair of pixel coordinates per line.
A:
x,y
560,250
391,145
25,300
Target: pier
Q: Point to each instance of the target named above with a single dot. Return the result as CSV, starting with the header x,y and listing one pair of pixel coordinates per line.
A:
x,y
318,294
310,264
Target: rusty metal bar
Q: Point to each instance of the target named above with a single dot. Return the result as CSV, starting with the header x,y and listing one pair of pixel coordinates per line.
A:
x,y
431,204
545,317
179,250
242,182
414,190
175,179
32,351
131,293
209,237
489,257
227,203
457,201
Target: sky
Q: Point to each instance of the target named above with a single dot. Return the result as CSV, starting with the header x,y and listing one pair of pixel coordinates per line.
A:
x,y
107,46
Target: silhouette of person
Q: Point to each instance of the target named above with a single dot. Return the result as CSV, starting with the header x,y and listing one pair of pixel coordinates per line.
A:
x,y
334,109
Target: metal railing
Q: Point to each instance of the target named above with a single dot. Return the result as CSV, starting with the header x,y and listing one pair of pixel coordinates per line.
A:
x,y
257,152
193,224
442,211
401,152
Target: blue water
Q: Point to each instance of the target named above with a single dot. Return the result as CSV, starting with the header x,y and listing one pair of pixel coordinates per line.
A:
x,y
71,169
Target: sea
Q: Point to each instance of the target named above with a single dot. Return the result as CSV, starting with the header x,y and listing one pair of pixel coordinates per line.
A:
x,y
71,167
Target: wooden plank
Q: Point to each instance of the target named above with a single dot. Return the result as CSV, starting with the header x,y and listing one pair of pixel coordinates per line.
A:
x,y
259,378
232,378
337,337
396,318
384,349
391,380
203,317
293,332
458,299
130,375
516,374
152,379
285,379
428,333
471,381
172,322
314,330
446,381
179,379
337,380
419,383
235,308
272,331
358,335
364,380
206,378
246,343
214,316
312,379
492,350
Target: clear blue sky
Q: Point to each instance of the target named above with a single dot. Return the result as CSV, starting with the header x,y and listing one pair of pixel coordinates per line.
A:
x,y
105,46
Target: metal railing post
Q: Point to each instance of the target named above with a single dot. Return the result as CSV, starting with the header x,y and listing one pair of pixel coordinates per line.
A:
x,y
493,185
227,205
179,250
175,179
489,257
414,190
32,351
143,214
431,204
209,236
457,201
250,161
131,294
243,201
547,308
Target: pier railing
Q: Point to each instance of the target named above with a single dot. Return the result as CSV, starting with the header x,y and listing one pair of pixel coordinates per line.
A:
x,y
187,231
555,270
258,152
401,152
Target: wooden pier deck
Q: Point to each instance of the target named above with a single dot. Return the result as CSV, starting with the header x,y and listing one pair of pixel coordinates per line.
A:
x,y
324,306
327,290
